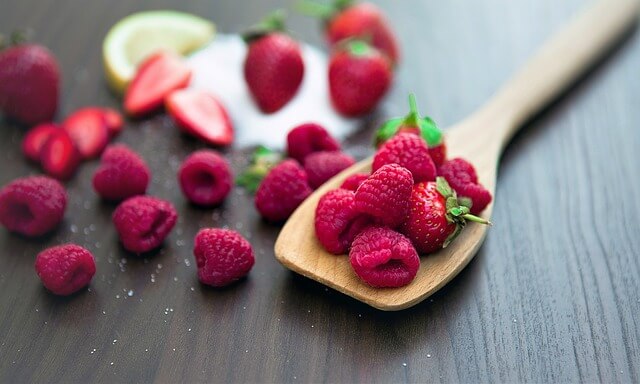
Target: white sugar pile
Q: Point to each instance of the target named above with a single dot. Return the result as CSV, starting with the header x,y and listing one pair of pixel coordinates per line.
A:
x,y
218,68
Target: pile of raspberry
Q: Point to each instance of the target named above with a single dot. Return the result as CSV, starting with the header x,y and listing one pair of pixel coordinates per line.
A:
x,y
314,157
34,206
386,219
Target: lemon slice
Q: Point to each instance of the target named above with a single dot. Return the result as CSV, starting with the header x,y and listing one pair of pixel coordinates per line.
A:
x,y
135,37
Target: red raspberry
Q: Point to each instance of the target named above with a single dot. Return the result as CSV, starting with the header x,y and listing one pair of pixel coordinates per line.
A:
x,y
32,206
409,151
384,258
337,222
353,182
438,154
122,174
385,194
205,178
222,255
462,177
283,189
65,269
308,138
321,166
143,222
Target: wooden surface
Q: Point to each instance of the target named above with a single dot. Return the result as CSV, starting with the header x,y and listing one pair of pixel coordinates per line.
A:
x,y
541,79
552,296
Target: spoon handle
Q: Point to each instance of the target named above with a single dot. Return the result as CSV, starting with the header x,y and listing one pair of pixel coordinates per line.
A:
x,y
561,61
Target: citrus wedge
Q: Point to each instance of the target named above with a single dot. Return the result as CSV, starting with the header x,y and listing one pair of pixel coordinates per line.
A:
x,y
139,35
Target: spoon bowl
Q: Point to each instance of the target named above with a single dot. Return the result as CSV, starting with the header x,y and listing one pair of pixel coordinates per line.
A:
x,y
480,139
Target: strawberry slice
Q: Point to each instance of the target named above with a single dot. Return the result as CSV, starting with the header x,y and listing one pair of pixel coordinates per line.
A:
x,y
59,156
156,78
88,129
35,139
113,120
200,114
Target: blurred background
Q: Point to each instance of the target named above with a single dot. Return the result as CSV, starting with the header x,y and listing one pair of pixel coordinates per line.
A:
x,y
552,296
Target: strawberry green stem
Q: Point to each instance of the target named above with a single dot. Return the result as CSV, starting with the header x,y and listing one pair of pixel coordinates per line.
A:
x,y
358,47
17,37
476,219
322,11
315,9
273,22
413,118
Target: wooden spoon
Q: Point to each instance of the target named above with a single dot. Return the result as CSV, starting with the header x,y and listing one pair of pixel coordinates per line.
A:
x,y
480,138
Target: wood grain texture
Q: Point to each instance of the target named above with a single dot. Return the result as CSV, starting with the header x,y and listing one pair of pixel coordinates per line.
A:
x,y
552,296
543,77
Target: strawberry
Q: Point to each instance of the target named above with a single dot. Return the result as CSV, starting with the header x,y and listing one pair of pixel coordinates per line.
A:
x,y
59,156
273,67
418,125
88,129
435,216
200,114
346,20
35,139
29,83
157,77
359,76
113,121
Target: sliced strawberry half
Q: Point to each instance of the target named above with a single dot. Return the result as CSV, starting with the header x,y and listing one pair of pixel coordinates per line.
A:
x,y
200,114
59,156
88,129
114,122
36,137
156,78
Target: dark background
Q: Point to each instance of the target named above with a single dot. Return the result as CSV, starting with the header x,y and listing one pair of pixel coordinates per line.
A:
x,y
552,296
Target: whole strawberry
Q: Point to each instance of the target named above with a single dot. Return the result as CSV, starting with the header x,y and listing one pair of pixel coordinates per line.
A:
x,y
273,67
435,216
359,76
29,83
414,123
345,19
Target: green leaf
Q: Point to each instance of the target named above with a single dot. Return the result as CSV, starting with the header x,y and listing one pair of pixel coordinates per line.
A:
x,y
465,202
430,132
274,21
451,203
263,159
250,179
388,130
452,236
443,187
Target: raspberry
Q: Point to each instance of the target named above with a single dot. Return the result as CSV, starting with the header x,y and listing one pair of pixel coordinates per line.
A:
x,y
382,257
222,255
143,222
32,206
308,138
321,166
337,222
353,182
65,269
462,177
283,189
409,151
205,178
385,194
438,154
122,174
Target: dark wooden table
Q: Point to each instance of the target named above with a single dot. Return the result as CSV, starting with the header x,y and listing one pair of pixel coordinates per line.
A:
x,y
553,295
